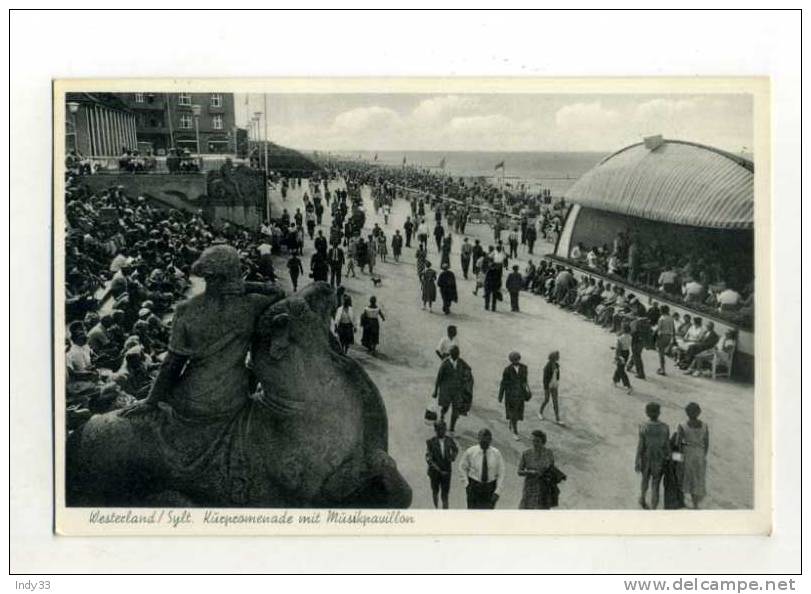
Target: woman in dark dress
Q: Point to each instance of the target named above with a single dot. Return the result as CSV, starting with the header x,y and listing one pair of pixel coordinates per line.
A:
x,y
428,280
370,322
514,391
422,258
362,253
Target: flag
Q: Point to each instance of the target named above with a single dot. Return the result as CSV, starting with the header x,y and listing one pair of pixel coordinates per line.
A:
x,y
404,160
442,163
500,166
375,156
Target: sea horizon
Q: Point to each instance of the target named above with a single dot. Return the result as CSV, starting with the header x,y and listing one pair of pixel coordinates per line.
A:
x,y
536,170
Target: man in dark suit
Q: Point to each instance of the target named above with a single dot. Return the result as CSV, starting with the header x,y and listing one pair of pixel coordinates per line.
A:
x,y
319,267
336,265
321,243
408,227
440,453
514,285
454,387
492,286
447,288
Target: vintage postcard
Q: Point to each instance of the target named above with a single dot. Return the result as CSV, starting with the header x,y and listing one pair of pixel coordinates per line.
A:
x,y
412,306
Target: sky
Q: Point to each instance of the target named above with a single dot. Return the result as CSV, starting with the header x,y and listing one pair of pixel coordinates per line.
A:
x,y
500,122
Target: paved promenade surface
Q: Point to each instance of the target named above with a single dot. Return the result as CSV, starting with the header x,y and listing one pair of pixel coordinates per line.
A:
x,y
596,450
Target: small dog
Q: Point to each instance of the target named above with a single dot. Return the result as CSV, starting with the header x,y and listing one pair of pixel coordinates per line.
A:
x,y
376,281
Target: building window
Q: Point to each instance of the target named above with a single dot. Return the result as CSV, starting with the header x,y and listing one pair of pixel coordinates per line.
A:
x,y
185,122
139,97
216,122
216,100
184,99
71,139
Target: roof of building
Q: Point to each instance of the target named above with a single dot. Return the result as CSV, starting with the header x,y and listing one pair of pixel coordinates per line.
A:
x,y
676,182
109,100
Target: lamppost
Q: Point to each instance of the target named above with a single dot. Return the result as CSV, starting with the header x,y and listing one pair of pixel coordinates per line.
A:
x,y
195,109
257,116
73,108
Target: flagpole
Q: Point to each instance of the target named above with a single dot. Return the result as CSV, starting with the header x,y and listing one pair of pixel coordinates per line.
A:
x,y
248,121
503,174
267,113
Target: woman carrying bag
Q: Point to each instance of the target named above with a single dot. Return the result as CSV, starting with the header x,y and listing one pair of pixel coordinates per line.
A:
x,y
514,391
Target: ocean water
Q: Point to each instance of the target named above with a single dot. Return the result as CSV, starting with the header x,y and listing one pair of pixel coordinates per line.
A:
x,y
552,170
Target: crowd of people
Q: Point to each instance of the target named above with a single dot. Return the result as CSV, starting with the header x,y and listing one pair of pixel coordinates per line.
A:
x,y
129,264
676,462
689,340
178,160
701,274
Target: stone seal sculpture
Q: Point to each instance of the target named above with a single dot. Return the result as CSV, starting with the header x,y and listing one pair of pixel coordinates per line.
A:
x,y
316,435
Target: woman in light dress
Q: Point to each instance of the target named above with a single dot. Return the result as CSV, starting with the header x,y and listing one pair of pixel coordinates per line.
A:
x,y
694,442
345,324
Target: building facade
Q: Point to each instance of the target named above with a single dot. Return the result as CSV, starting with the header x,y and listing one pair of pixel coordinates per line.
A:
x,y
166,120
99,124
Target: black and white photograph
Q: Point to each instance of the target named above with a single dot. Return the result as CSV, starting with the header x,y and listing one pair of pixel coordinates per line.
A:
x,y
407,301
371,292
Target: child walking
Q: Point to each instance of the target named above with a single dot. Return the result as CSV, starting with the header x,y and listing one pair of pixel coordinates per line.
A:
x,y
623,352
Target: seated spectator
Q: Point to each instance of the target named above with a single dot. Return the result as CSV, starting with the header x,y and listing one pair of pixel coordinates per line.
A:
x,y
111,397
121,259
133,375
707,340
693,291
614,265
669,281
593,259
682,326
79,357
82,376
529,274
102,344
729,300
722,351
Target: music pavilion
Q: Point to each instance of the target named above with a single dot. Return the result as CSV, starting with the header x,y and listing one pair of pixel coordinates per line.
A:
x,y
684,197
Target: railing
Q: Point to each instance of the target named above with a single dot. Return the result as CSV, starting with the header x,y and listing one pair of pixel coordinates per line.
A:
x,y
109,165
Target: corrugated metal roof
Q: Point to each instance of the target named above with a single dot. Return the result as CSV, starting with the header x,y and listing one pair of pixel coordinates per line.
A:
x,y
678,182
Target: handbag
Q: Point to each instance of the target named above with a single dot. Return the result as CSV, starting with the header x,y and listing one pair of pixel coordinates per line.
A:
x,y
431,407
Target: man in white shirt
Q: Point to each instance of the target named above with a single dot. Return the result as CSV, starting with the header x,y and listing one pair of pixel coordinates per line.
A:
x,y
693,291
483,470
79,359
729,299
121,260
443,349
